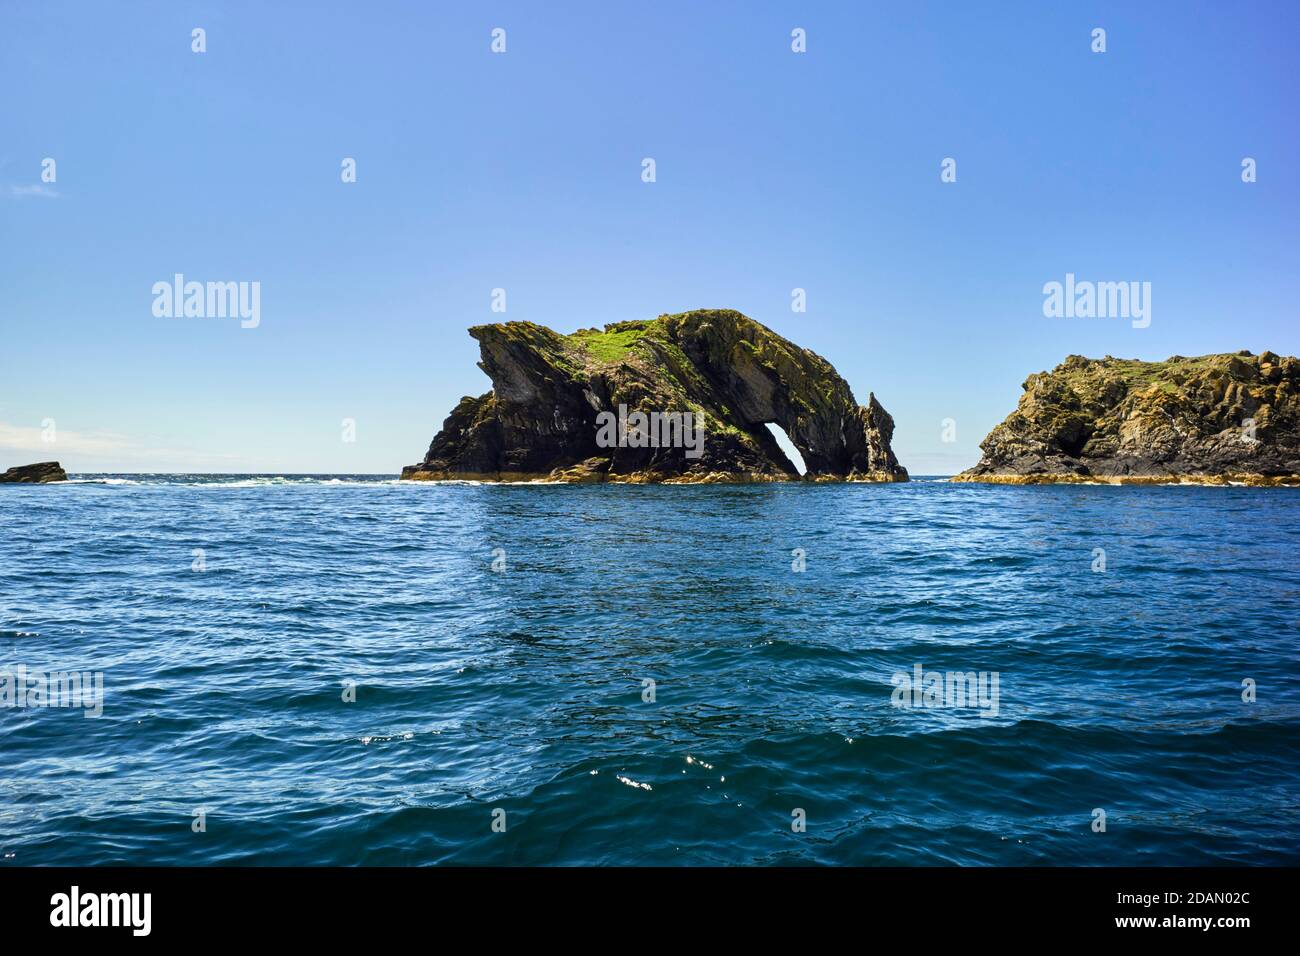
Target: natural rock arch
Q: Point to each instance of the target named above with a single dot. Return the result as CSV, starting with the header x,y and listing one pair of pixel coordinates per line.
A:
x,y
540,419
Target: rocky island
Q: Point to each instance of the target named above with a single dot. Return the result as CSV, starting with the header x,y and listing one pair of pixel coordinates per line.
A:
x,y
38,474
588,407
1216,419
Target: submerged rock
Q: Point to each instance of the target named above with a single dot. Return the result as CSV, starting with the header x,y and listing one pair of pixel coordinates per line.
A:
x,y
553,398
37,474
1219,419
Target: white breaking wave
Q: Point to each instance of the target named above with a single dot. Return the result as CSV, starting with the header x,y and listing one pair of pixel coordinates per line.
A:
x,y
97,481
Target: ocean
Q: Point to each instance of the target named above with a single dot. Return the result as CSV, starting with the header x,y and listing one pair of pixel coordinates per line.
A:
x,y
349,670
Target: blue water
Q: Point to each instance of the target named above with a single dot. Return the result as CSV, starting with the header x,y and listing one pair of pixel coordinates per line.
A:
x,y
521,690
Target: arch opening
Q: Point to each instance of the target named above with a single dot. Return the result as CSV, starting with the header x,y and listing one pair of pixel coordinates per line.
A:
x,y
787,446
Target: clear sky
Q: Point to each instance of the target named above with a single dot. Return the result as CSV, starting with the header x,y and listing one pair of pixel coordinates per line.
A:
x,y
522,171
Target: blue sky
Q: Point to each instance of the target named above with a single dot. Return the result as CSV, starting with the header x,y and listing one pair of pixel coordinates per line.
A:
x,y
522,171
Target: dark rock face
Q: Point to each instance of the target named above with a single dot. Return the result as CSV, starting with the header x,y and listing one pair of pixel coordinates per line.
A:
x,y
540,421
1217,418
40,473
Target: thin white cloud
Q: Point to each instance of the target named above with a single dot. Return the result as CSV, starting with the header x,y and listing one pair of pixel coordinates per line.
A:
x,y
18,438
39,191
102,450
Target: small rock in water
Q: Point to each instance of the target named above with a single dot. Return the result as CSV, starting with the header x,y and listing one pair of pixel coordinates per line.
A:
x,y
41,473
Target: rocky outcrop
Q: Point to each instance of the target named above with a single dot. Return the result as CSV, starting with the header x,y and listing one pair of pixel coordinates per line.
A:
x,y
1221,419
38,474
552,395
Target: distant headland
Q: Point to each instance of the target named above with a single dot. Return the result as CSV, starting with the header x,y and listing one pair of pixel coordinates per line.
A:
x,y
677,399
1216,419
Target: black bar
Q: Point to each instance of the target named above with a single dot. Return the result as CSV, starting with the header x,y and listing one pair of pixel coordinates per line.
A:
x,y
334,905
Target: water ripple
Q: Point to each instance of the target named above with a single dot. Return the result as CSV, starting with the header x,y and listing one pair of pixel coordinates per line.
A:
x,y
649,679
